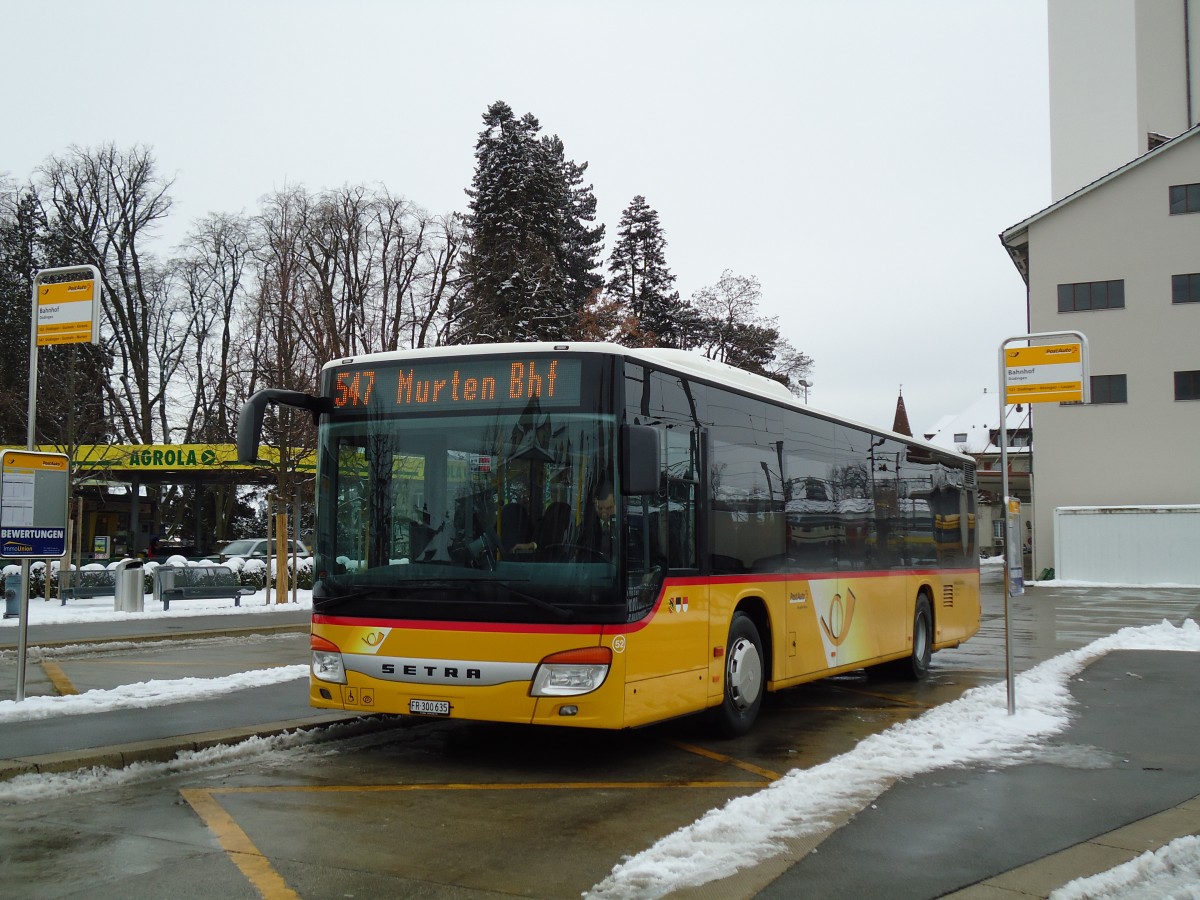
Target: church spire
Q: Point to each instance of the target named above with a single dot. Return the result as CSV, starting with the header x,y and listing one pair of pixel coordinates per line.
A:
x,y
900,425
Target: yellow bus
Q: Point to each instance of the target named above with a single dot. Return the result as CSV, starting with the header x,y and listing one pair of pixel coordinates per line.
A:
x,y
593,536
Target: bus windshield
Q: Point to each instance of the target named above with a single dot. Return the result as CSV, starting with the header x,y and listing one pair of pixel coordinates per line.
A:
x,y
490,516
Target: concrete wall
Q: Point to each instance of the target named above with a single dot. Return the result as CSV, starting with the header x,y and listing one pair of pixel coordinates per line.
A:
x,y
1093,90
1161,52
1128,545
1141,452
1118,70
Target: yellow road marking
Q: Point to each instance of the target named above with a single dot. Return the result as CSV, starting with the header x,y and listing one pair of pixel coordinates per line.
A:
x,y
237,844
58,678
728,760
271,886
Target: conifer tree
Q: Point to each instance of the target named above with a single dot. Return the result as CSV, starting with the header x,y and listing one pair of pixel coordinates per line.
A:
x,y
641,281
70,402
581,241
18,263
530,255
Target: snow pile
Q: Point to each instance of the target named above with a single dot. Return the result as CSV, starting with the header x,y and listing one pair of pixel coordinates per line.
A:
x,y
1171,871
145,694
32,788
974,729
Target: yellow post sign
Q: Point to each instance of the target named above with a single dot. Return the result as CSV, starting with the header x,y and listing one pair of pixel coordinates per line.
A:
x,y
1050,373
66,313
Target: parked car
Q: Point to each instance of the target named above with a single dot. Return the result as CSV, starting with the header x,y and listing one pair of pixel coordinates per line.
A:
x,y
165,550
251,548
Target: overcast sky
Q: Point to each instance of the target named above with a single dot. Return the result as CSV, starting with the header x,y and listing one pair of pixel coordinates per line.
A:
x,y
859,157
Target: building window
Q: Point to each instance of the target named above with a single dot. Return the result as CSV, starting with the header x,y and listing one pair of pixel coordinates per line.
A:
x,y
1185,198
960,437
1108,389
1185,288
1091,295
1187,385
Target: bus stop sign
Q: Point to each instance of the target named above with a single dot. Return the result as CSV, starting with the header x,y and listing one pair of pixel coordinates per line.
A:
x,y
1044,374
33,504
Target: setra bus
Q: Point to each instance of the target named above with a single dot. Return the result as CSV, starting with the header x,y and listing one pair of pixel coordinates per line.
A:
x,y
594,536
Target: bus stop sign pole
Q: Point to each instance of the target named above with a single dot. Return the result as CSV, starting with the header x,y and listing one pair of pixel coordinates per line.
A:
x,y
65,310
1045,373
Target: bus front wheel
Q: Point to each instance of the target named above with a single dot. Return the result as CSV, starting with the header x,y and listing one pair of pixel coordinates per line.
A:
x,y
745,678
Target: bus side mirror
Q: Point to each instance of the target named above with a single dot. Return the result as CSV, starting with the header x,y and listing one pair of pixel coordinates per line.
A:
x,y
249,426
639,460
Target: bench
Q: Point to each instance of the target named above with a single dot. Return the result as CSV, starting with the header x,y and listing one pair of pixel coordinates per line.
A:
x,y
197,582
84,584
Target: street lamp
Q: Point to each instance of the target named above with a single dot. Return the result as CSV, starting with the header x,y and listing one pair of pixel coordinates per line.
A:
x,y
805,384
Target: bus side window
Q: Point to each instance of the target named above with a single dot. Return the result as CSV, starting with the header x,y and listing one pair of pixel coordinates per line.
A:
x,y
746,486
678,518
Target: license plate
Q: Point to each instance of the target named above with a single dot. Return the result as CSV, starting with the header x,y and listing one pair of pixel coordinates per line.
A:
x,y
429,707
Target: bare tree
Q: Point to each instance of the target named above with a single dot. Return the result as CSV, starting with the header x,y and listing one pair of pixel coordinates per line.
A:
x,y
103,204
336,241
215,274
728,328
437,306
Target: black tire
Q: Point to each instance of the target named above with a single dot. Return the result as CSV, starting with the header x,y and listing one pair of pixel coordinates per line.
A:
x,y
745,678
916,666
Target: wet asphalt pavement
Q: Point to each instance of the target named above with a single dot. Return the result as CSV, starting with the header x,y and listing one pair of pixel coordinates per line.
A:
x,y
1125,776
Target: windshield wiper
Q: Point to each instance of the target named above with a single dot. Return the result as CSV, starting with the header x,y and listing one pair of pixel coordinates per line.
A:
x,y
541,604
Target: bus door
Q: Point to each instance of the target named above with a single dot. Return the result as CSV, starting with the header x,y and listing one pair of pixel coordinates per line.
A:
x,y
667,660
814,536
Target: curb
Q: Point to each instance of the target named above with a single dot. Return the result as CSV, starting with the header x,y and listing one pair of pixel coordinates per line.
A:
x,y
118,756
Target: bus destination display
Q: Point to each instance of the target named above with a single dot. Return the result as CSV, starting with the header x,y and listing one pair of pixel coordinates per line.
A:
x,y
463,384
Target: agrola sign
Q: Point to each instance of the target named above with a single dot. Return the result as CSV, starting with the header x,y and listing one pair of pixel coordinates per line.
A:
x,y
96,458
184,456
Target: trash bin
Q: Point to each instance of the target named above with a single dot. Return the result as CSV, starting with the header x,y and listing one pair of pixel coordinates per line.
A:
x,y
129,594
12,595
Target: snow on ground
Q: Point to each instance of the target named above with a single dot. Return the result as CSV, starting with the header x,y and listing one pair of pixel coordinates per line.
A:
x,y
278,748
52,611
144,694
1171,871
974,729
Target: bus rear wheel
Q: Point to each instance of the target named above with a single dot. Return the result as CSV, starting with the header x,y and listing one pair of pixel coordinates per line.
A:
x,y
916,666
745,678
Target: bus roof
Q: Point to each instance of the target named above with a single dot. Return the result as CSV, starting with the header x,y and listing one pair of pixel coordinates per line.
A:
x,y
682,361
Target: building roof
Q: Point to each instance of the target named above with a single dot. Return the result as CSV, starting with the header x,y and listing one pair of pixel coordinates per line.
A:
x,y
977,422
1016,238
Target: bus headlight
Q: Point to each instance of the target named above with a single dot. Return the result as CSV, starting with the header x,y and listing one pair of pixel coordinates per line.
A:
x,y
571,672
327,661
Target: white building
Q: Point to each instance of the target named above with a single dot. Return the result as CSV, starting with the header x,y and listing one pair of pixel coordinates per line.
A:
x,y
1117,257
